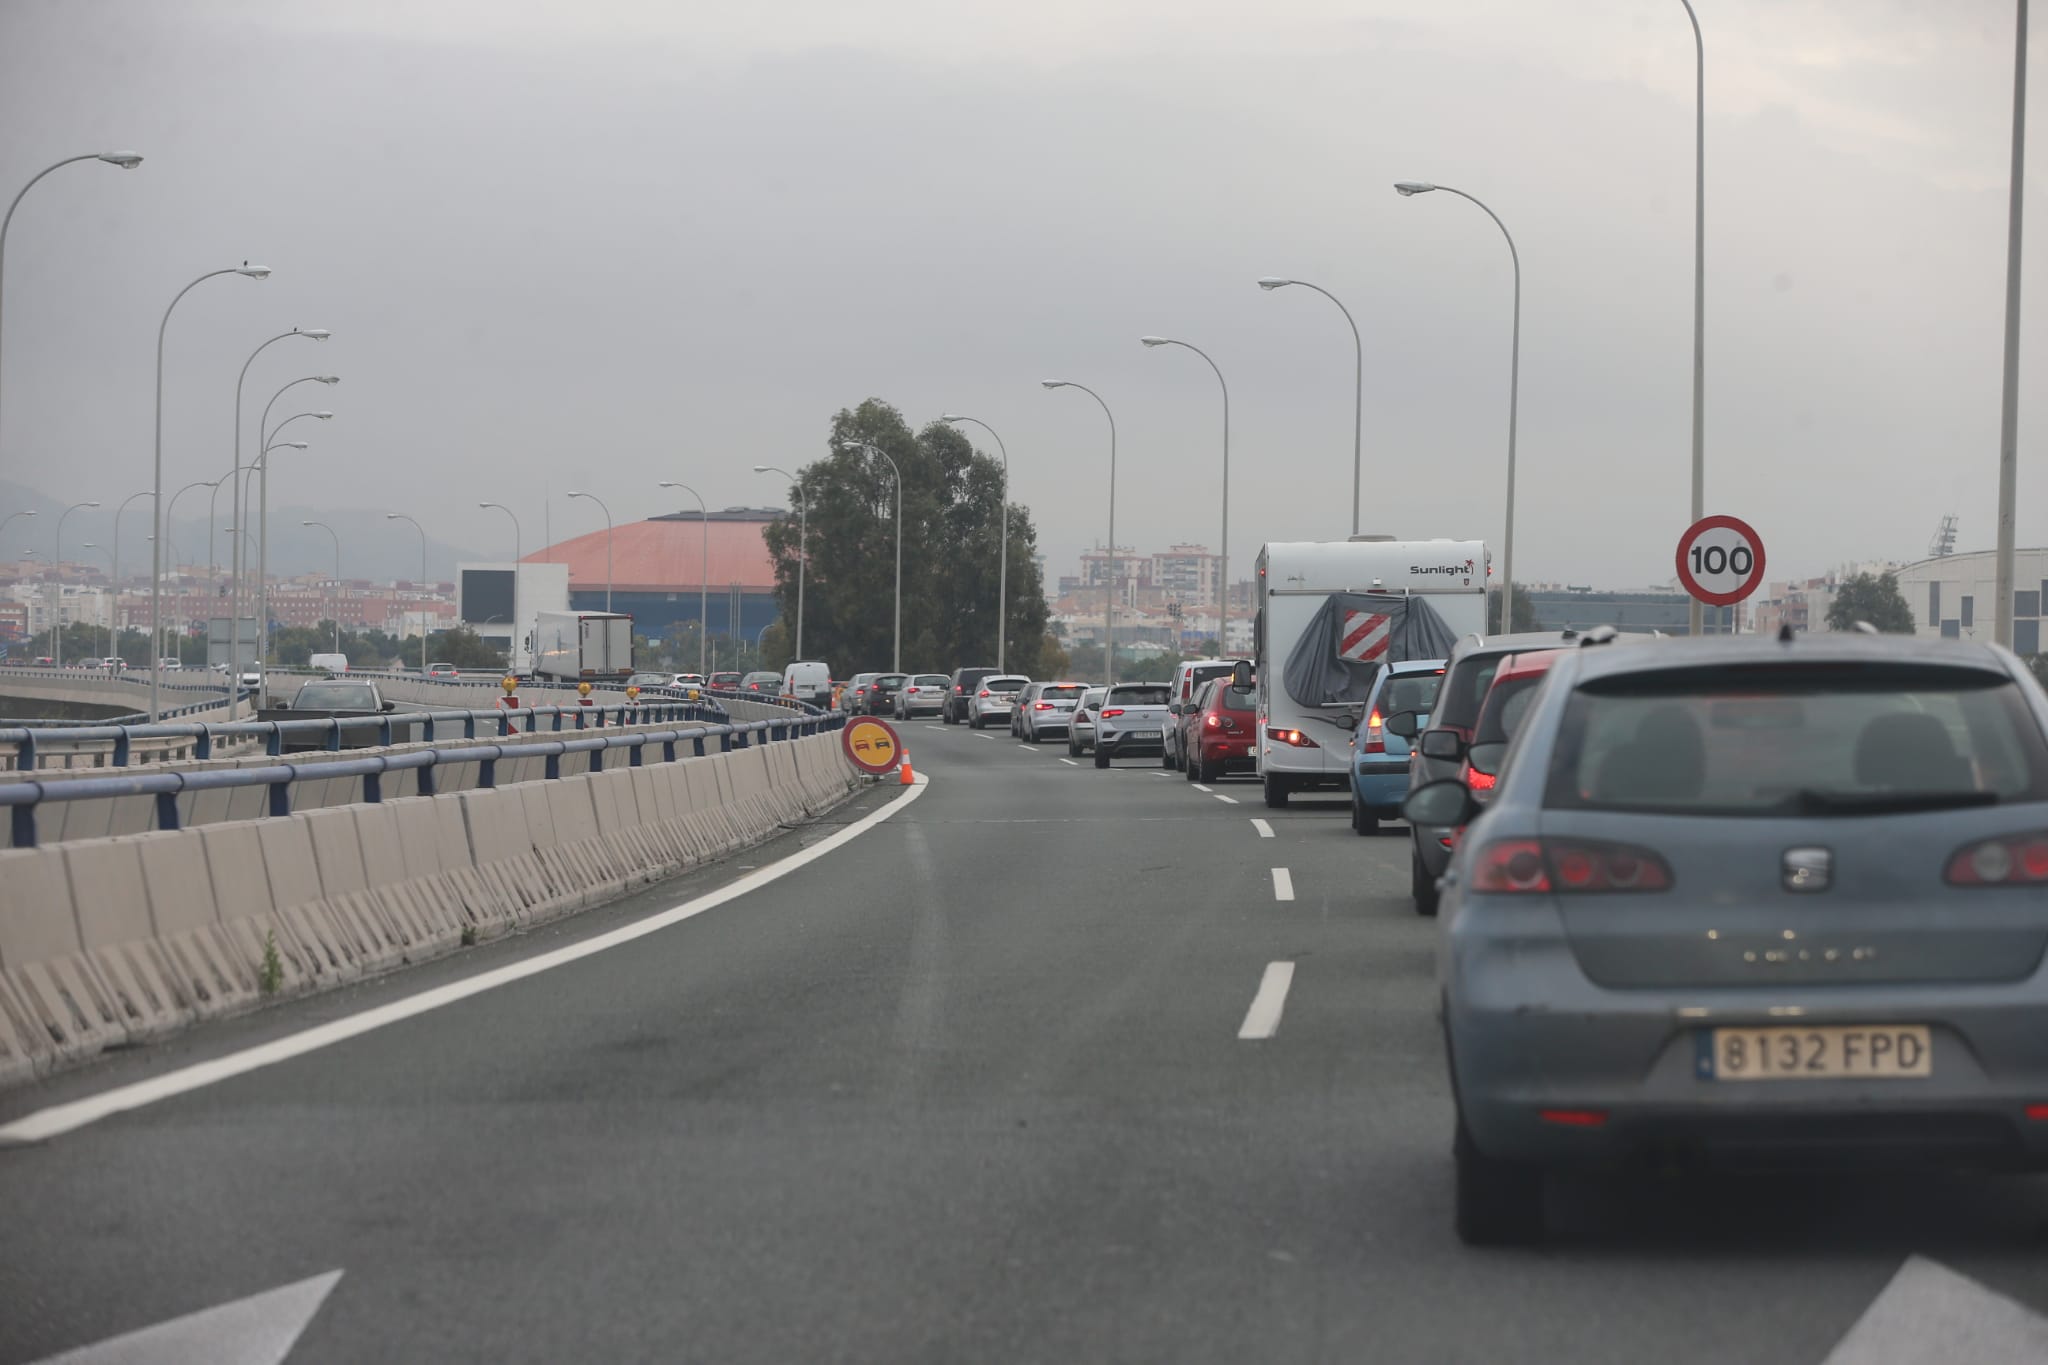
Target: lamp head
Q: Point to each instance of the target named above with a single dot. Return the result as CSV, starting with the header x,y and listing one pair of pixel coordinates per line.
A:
x,y
392,516
317,333
327,379
88,504
1408,189
1154,341
760,469
287,445
670,483
254,272
323,416
309,523
1054,383
30,512
1272,282
578,493
127,161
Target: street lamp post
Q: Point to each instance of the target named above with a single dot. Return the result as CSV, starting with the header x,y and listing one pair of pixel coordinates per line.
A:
x,y
28,512
170,517
156,514
237,566
2009,400
517,556
117,532
1408,189
803,543
1223,567
1109,595
57,571
337,576
896,648
704,571
400,516
1272,282
1699,273
127,161
266,436
1002,538
89,545
608,529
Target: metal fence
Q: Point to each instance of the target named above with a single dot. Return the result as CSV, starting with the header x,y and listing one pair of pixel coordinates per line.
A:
x,y
691,737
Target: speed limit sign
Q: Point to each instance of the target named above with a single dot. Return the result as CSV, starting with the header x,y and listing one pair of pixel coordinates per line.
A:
x,y
1720,560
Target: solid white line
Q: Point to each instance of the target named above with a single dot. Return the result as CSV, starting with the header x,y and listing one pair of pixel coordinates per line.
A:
x,y
63,1118
1200,788
1283,884
1070,763
1262,1020
1227,800
1265,830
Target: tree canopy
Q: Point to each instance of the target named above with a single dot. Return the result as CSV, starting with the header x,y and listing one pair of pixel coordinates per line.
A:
x,y
951,501
1872,598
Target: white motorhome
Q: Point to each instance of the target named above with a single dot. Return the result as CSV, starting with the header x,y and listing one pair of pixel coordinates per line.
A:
x,y
1304,743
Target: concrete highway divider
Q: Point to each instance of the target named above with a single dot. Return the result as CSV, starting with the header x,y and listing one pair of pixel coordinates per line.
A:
x,y
106,942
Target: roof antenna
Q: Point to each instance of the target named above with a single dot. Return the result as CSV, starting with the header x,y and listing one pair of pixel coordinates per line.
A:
x,y
1864,628
1785,633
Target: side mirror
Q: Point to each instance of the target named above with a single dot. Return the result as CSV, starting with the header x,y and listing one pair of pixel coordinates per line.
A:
x,y
390,706
1443,744
1174,709
1241,676
1486,758
1405,724
1437,804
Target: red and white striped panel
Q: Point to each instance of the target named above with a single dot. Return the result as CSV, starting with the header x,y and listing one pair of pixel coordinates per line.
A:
x,y
1364,637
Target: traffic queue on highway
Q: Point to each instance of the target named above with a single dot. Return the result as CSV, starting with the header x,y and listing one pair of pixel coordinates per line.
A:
x,y
1731,901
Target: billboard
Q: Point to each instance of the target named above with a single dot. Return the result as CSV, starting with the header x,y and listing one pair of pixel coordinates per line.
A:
x,y
484,596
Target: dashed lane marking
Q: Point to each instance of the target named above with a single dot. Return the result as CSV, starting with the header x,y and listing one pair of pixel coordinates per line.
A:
x,y
1283,884
1262,1020
1265,830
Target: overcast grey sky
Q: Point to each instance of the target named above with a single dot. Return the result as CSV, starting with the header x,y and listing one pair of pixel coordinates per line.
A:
x,y
610,243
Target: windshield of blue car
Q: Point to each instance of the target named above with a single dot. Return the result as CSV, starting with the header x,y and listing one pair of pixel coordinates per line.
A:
x,y
336,697
1819,740
1410,692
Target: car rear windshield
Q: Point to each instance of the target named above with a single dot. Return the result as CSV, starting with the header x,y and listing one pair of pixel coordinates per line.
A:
x,y
1506,704
892,680
929,680
1203,672
1465,692
1138,695
1005,684
1411,692
336,697
1062,693
1817,739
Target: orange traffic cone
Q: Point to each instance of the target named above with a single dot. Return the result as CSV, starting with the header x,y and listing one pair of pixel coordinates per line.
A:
x,y
906,777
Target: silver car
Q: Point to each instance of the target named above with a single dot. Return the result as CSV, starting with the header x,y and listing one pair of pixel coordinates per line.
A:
x,y
995,700
1081,732
1749,901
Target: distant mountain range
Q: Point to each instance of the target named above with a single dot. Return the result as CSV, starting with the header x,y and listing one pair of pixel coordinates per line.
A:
x,y
372,547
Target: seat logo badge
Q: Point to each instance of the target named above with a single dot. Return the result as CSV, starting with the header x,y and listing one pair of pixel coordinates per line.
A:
x,y
1808,869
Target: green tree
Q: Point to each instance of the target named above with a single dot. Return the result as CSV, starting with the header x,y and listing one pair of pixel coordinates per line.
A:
x,y
951,509
1524,611
1872,598
463,647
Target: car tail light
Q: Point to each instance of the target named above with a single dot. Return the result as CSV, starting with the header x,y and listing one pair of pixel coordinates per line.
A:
x,y
1112,711
1294,737
1213,722
2037,1113
2009,860
1479,781
958,689
1375,737
1573,1118
1044,706
1568,866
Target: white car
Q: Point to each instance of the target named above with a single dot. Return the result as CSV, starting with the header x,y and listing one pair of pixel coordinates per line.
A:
x,y
1049,712
252,676
1081,727
170,665
994,700
1132,721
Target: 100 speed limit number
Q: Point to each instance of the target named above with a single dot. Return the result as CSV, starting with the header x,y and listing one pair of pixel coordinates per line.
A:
x,y
1720,560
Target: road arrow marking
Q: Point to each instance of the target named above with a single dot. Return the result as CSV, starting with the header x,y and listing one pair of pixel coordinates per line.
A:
x,y
258,1330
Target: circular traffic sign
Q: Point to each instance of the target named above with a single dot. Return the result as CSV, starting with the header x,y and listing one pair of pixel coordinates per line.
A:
x,y
871,745
1720,560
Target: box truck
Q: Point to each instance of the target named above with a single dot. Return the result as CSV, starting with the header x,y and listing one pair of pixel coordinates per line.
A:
x,y
1330,615
580,646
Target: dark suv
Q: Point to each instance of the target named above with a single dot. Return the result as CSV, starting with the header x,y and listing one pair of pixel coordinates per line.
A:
x,y
963,684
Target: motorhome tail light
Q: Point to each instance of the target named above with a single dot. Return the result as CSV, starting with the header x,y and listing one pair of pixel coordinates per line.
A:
x,y
1293,737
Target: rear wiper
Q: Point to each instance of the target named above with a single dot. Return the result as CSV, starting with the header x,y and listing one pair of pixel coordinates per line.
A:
x,y
1815,802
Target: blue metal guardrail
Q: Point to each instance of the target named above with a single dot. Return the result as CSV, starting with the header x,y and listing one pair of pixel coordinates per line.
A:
x,y
24,797
204,736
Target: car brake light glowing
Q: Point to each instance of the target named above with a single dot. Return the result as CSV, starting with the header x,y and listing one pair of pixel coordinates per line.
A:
x,y
1573,1118
1293,737
2038,1113
1112,711
984,691
1044,706
958,688
1375,737
2008,860
1212,722
1479,781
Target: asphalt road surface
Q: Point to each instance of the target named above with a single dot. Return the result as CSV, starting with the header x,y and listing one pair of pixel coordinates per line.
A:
x,y
1010,1076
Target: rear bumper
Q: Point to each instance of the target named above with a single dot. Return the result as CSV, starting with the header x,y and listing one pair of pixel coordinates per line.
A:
x,y
1529,1032
1128,744
1381,792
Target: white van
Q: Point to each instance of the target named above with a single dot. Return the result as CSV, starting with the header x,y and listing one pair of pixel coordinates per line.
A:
x,y
333,663
808,680
1330,615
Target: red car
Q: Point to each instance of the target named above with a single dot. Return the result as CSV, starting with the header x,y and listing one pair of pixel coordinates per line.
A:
x,y
1500,715
1217,732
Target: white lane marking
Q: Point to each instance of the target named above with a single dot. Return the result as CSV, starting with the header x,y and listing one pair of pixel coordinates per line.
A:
x,y
1262,1020
1227,800
1265,830
979,735
64,1118
1070,763
1156,772
1283,884
1928,1312
258,1330
1200,788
